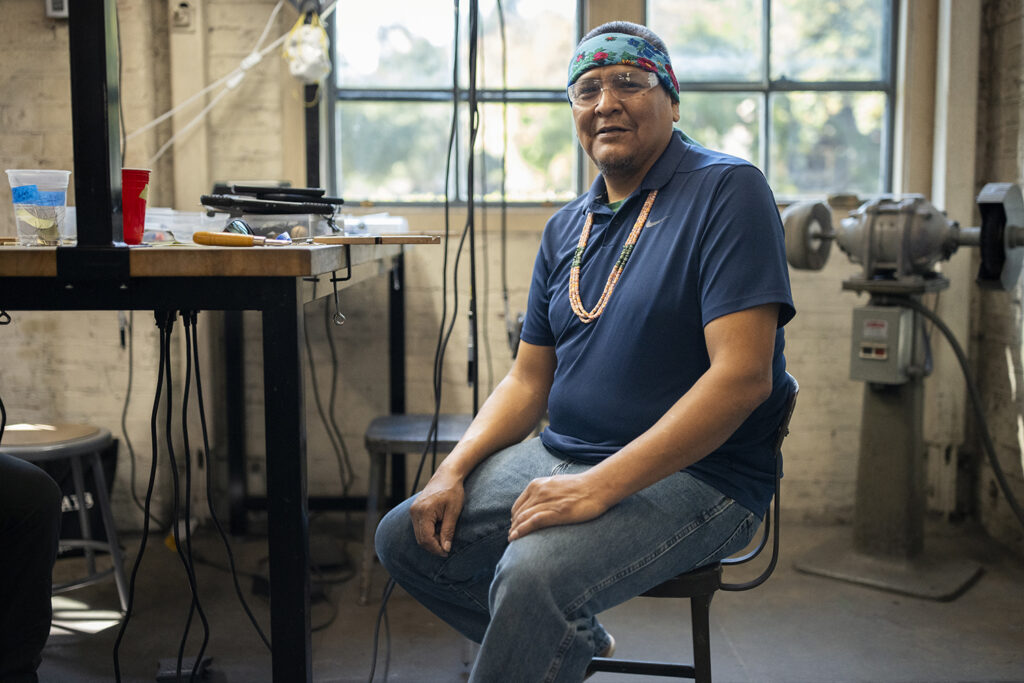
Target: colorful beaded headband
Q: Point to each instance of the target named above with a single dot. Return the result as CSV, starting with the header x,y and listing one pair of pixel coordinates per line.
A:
x,y
619,48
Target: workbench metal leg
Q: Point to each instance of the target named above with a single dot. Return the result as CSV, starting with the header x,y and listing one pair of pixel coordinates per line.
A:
x,y
286,485
396,365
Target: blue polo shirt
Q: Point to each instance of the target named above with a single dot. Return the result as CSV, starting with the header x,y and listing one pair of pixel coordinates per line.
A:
x,y
713,245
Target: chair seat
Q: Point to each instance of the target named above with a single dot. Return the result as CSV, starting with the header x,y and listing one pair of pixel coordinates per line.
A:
x,y
408,433
701,581
404,433
39,442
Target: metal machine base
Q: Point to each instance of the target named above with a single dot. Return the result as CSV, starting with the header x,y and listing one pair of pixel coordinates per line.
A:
x,y
933,575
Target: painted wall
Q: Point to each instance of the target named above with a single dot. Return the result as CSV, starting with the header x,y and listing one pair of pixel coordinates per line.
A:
x,y
998,316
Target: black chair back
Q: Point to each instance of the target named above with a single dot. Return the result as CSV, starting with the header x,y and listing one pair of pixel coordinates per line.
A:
x,y
771,520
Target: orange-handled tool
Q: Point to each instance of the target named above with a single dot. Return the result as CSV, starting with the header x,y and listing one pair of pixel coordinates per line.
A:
x,y
231,239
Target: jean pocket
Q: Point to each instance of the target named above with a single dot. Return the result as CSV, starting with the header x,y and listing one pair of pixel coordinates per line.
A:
x,y
560,468
737,540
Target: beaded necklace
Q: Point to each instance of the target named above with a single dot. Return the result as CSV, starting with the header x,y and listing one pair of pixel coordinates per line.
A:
x,y
613,277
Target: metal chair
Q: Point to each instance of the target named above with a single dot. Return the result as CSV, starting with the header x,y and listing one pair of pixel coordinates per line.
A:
x,y
700,585
392,434
76,443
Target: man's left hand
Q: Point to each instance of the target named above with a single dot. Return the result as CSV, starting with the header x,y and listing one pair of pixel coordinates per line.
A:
x,y
551,501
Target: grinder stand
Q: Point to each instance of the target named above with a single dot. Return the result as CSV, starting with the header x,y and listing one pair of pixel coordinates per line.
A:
x,y
887,547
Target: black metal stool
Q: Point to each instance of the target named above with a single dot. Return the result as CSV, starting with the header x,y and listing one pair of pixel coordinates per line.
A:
x,y
700,585
75,443
398,434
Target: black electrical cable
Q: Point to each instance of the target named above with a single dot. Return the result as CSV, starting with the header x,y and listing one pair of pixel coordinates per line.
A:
x,y
196,605
474,127
327,418
3,419
315,386
127,339
445,337
504,171
329,326
381,616
346,482
209,490
161,323
485,313
440,345
972,392
443,334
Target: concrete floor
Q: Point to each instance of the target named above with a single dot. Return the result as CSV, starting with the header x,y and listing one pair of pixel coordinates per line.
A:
x,y
796,628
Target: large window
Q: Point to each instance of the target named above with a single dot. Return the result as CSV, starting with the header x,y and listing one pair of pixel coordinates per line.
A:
x,y
394,101
802,88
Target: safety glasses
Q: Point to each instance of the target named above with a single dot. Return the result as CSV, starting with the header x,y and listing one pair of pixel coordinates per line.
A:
x,y
624,86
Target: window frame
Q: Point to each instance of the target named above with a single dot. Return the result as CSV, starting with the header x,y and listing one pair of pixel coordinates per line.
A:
x,y
335,95
765,88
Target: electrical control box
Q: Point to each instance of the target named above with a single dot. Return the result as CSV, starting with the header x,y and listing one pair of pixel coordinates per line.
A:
x,y
57,9
882,346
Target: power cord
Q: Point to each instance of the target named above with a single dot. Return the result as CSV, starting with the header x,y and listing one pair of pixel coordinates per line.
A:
x,y
185,552
972,392
348,475
126,326
512,326
382,617
162,323
329,327
194,342
333,434
445,327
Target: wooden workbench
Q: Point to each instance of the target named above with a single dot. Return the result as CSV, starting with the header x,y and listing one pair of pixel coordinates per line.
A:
x,y
276,282
189,260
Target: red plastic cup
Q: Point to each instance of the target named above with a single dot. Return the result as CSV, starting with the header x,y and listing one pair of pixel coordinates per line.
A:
x,y
134,192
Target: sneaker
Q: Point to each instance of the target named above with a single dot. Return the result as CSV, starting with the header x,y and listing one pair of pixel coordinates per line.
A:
x,y
608,652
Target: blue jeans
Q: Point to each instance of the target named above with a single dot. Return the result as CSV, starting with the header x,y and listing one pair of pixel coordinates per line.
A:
x,y
531,604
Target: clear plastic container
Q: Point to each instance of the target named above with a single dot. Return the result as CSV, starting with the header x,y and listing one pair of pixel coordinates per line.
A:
x,y
168,226
375,224
298,226
40,205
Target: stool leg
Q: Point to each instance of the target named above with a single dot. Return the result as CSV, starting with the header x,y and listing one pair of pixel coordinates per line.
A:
x,y
103,500
700,616
374,494
83,514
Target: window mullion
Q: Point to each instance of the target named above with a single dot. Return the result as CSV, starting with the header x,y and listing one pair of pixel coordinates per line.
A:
x,y
890,66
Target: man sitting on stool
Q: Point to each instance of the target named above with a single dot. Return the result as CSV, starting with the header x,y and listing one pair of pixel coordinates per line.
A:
x,y
653,339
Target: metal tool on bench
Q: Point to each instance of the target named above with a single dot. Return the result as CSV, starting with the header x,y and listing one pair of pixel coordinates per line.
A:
x,y
272,200
237,233
228,239
271,211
